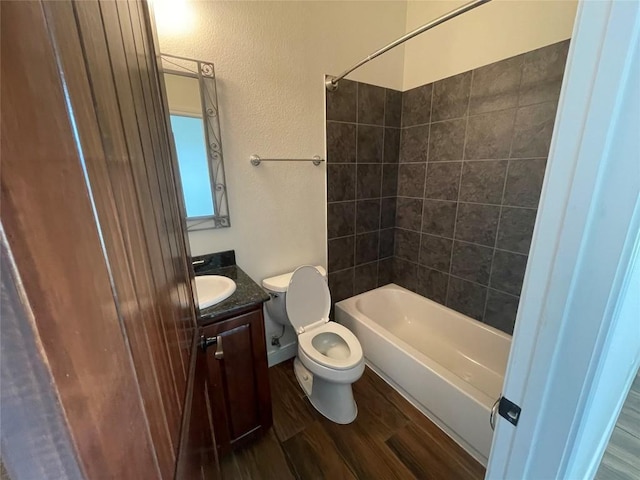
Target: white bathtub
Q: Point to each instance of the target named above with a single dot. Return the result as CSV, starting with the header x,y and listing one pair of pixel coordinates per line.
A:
x,y
448,365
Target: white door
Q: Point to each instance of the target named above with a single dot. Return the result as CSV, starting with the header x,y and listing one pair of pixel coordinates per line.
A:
x,y
577,339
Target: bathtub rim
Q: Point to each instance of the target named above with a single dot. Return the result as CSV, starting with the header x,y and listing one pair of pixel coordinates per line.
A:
x,y
348,306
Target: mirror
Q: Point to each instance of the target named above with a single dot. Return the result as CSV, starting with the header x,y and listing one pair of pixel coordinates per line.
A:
x,y
193,108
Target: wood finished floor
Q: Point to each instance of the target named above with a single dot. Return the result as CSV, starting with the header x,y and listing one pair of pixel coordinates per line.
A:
x,y
390,439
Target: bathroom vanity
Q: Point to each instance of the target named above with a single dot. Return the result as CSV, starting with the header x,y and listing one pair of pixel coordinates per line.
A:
x,y
232,340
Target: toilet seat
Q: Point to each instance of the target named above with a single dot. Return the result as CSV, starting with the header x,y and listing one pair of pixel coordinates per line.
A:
x,y
305,342
308,299
308,303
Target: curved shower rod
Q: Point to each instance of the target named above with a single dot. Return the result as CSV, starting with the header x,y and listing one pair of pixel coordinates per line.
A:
x,y
332,82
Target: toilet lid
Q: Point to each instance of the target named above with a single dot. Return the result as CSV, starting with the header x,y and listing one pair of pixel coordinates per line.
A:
x,y
308,299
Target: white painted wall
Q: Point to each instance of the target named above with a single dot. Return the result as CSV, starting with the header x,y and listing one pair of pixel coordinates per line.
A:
x,y
270,60
494,31
183,95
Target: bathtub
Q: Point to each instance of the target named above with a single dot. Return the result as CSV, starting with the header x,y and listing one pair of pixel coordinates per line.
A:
x,y
448,365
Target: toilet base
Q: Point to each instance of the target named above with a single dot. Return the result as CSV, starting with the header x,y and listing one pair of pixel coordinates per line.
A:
x,y
333,400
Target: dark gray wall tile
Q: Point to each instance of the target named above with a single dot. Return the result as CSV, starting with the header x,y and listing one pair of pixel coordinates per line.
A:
x,y
341,182
446,140
365,278
483,182
393,108
495,86
414,144
385,272
542,73
443,180
435,252
489,135
341,142
341,285
405,274
367,215
367,247
340,219
416,105
342,103
501,311
439,217
341,253
409,213
533,130
507,271
473,116
466,297
471,262
369,181
370,144
411,179
432,284
387,239
370,104
524,182
451,97
389,180
391,151
477,223
388,213
407,245
516,229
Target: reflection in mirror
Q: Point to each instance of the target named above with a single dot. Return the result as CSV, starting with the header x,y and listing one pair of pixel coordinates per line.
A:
x,y
193,107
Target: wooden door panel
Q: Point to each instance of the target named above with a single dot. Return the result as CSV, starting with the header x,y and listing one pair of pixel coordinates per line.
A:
x,y
167,172
92,213
55,240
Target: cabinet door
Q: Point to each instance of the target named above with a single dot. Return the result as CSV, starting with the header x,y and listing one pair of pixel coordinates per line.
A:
x,y
238,379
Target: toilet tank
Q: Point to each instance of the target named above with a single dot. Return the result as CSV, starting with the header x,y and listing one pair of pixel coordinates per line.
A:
x,y
277,289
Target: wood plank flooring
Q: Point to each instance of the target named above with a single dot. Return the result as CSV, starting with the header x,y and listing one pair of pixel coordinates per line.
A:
x,y
390,439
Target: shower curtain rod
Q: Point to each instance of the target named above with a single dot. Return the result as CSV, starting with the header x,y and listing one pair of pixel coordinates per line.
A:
x,y
332,82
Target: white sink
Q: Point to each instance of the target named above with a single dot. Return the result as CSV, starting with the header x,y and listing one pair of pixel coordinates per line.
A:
x,y
212,289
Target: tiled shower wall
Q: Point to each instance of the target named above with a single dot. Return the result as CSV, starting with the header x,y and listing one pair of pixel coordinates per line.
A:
x,y
363,144
472,157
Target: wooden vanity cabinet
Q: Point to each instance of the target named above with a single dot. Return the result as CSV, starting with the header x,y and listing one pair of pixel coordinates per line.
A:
x,y
237,379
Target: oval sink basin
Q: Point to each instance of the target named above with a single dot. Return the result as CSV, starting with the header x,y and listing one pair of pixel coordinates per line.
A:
x,y
213,289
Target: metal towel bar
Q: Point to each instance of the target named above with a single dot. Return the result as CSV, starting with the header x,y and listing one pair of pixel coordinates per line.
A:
x,y
256,160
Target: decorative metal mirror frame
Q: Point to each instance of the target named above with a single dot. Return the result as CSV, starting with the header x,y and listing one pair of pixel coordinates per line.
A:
x,y
205,74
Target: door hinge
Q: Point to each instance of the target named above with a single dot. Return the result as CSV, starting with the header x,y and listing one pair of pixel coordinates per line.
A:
x,y
509,410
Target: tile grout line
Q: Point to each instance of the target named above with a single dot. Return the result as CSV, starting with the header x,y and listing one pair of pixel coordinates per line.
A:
x,y
504,188
384,122
455,221
459,278
424,186
355,215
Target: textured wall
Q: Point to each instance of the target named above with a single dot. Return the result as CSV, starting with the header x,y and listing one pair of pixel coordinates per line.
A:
x,y
270,60
492,32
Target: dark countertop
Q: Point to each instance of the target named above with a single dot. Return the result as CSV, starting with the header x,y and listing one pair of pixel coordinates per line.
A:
x,y
248,294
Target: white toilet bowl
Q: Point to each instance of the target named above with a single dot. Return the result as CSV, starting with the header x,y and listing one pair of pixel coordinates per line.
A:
x,y
329,357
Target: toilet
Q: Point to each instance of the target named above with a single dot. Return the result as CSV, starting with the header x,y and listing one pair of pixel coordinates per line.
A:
x,y
329,356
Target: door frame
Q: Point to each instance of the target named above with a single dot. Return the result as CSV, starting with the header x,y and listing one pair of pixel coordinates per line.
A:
x,y
569,325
